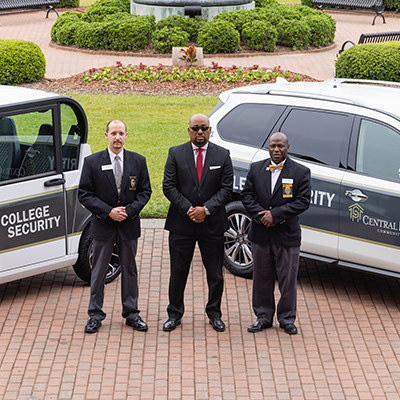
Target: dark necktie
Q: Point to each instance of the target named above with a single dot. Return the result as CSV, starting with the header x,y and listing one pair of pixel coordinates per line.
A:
x,y
199,164
118,173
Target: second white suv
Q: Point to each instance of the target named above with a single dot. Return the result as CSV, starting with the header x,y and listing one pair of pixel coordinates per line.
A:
x,y
348,133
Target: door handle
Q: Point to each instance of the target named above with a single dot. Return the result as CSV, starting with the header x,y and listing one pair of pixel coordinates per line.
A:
x,y
356,195
54,182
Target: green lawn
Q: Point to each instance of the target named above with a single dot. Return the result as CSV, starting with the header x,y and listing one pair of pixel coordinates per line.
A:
x,y
154,125
86,3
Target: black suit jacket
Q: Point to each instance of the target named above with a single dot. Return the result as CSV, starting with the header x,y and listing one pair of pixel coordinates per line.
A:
x,y
285,205
98,193
181,187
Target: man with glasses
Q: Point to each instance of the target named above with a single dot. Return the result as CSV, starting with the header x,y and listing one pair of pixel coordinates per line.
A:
x,y
198,181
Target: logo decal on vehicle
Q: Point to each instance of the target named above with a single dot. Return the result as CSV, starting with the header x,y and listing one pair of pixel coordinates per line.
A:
x,y
356,212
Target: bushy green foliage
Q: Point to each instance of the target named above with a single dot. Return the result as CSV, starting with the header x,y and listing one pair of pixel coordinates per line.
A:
x,y
294,33
393,5
20,61
193,25
69,3
167,38
260,36
218,37
63,30
376,61
129,32
307,3
270,15
322,29
266,3
237,18
102,8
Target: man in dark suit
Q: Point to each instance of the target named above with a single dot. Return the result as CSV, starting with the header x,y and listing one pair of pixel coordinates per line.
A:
x,y
198,181
114,186
277,190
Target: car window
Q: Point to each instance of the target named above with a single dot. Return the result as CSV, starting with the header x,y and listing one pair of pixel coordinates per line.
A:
x,y
26,144
71,138
316,135
378,150
249,124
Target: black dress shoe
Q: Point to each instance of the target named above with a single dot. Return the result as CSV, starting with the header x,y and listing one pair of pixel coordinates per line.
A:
x,y
92,326
170,324
289,328
217,324
258,326
137,324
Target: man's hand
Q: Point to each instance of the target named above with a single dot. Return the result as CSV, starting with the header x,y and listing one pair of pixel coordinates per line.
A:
x,y
267,219
197,214
118,214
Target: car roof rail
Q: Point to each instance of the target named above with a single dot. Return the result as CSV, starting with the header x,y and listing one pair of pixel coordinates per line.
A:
x,y
362,81
308,95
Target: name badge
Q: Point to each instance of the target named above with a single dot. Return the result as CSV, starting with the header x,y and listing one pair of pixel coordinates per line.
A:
x,y
106,167
132,183
287,185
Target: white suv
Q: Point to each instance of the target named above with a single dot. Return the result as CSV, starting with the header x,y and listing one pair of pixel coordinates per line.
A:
x,y
42,224
348,133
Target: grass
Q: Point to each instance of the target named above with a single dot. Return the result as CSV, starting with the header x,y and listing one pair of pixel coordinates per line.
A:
x,y
87,3
154,125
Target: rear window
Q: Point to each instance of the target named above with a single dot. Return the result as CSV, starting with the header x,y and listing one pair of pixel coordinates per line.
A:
x,y
249,124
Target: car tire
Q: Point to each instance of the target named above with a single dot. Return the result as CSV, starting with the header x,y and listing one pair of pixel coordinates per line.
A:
x,y
83,266
237,248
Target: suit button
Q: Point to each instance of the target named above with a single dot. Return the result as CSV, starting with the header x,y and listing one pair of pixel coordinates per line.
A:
x,y
270,208
119,201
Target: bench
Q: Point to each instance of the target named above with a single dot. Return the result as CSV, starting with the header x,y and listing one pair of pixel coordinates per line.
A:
x,y
8,5
373,38
377,5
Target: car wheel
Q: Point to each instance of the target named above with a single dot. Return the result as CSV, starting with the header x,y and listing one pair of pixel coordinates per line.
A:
x,y
83,266
238,258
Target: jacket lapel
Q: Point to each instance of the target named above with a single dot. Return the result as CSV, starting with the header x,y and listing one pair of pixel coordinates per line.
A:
x,y
267,174
284,174
210,160
189,156
105,160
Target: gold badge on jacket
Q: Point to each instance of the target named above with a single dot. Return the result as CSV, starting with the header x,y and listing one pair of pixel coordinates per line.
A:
x,y
287,185
132,183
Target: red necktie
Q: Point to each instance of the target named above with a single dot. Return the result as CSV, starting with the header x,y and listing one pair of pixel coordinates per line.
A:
x,y
199,164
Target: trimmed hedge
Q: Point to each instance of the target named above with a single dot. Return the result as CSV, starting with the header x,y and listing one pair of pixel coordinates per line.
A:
x,y
259,35
389,4
375,61
69,4
107,24
167,38
20,61
219,37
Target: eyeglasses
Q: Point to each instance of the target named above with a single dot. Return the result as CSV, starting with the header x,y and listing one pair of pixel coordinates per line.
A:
x,y
198,128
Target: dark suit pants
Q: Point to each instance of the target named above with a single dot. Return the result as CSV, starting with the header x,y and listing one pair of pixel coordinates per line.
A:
x,y
181,248
102,251
284,261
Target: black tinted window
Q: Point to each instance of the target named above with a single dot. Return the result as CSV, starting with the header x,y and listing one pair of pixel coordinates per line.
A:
x,y
249,124
378,151
316,135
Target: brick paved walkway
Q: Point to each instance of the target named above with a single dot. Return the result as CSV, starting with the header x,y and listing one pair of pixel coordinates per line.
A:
x,y
348,346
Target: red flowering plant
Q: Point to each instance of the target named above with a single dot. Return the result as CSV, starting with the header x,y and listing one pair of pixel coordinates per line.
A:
x,y
188,55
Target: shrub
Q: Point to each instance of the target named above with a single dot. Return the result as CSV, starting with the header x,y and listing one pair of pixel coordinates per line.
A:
x,y
376,61
193,25
260,36
218,37
128,32
63,30
102,8
69,3
167,38
237,18
393,5
172,21
270,15
294,33
266,3
322,29
20,61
